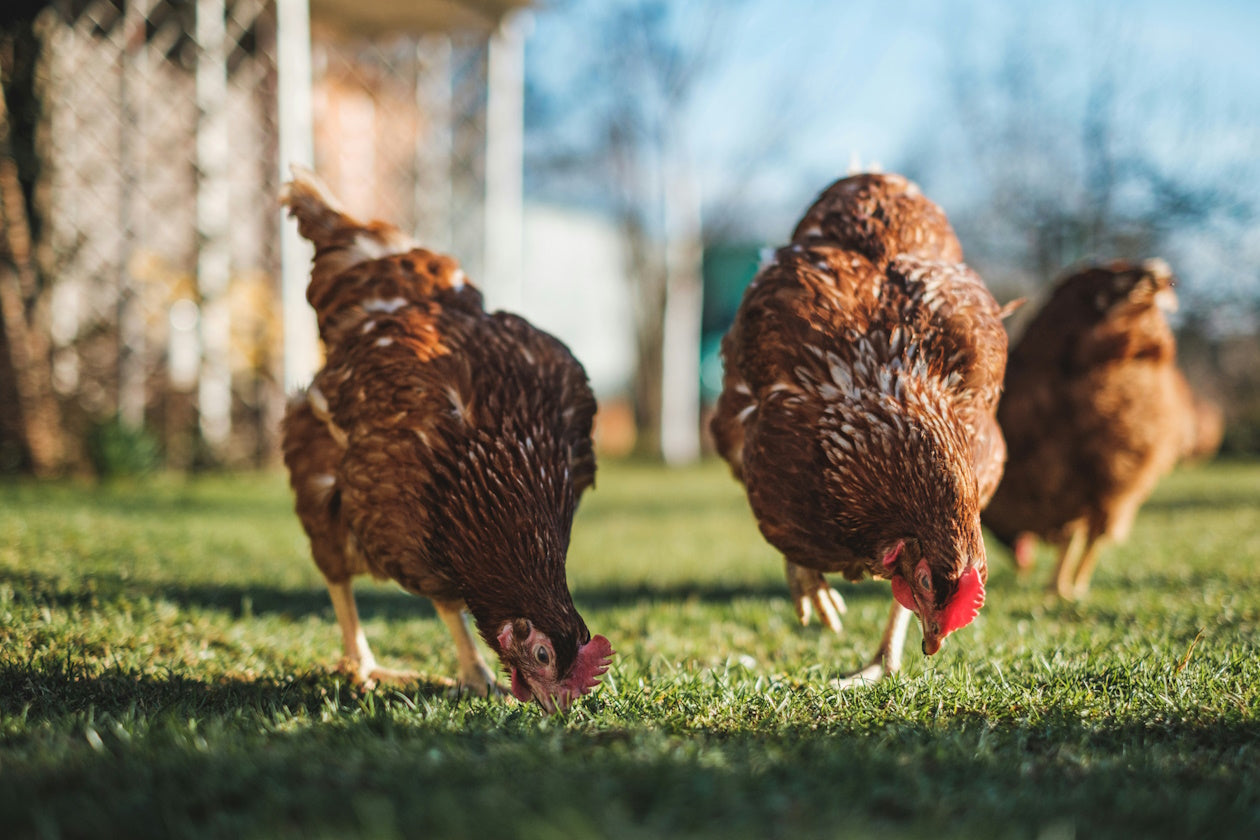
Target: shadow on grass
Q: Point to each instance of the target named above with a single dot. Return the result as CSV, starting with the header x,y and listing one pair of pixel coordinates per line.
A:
x,y
96,589
59,688
375,602
501,771
609,596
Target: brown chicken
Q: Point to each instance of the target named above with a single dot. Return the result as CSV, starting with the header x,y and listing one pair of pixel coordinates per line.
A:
x,y
862,374
1204,423
1093,416
443,448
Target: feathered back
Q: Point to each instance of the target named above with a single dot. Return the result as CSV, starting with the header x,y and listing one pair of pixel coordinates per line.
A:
x,y
880,216
1107,311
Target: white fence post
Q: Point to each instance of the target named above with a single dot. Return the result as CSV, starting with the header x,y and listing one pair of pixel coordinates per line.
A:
x,y
293,69
214,210
505,130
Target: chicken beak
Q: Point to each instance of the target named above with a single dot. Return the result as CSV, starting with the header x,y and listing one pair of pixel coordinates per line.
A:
x,y
933,632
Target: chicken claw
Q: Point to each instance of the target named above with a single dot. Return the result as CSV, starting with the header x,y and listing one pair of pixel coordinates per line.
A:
x,y
888,657
482,684
477,678
810,592
869,675
368,675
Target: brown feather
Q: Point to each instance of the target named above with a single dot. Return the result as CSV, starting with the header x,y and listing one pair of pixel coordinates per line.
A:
x,y
862,373
1092,413
440,446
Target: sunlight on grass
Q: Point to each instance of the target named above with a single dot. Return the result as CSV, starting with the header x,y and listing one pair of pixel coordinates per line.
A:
x,y
166,653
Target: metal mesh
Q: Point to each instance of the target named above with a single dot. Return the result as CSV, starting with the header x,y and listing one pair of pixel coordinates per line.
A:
x,y
400,134
136,316
121,239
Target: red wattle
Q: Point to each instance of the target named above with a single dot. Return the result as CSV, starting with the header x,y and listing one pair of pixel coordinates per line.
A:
x,y
519,689
901,591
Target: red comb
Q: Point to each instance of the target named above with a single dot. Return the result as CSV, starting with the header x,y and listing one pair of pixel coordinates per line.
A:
x,y
593,659
966,603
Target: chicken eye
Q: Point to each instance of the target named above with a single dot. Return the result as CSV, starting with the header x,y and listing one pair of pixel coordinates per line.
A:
x,y
925,581
542,655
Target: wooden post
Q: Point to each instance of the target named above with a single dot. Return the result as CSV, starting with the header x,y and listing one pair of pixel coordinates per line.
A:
x,y
434,150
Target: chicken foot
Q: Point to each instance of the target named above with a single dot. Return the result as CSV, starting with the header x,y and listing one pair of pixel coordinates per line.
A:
x,y
887,659
811,591
474,674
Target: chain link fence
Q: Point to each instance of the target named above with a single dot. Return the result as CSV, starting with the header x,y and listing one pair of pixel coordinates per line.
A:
x,y
158,253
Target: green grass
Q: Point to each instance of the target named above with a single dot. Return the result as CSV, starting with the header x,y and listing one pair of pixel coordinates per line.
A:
x,y
166,651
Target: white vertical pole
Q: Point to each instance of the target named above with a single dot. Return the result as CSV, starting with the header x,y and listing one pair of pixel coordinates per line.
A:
x,y
132,390
214,210
293,71
684,292
505,151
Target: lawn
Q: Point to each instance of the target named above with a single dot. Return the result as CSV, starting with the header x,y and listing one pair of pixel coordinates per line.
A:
x,y
166,653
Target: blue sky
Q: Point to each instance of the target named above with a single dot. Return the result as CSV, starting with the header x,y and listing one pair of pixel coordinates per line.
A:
x,y
872,79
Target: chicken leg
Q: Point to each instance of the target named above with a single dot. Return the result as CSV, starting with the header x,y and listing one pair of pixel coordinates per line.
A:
x,y
810,591
887,659
1025,550
1085,568
474,674
357,657
1069,560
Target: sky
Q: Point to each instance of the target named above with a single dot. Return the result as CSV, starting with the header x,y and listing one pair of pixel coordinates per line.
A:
x,y
871,81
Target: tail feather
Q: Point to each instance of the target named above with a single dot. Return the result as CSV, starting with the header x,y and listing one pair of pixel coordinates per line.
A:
x,y
319,215
341,241
337,235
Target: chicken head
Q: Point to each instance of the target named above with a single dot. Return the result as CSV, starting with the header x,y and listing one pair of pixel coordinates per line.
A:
x,y
942,604
531,658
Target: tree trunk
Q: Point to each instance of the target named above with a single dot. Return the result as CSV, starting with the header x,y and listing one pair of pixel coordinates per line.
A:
x,y
15,449
30,418
648,277
681,315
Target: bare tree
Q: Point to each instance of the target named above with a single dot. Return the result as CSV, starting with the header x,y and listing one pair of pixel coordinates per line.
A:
x,y
636,92
1066,157
1077,150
